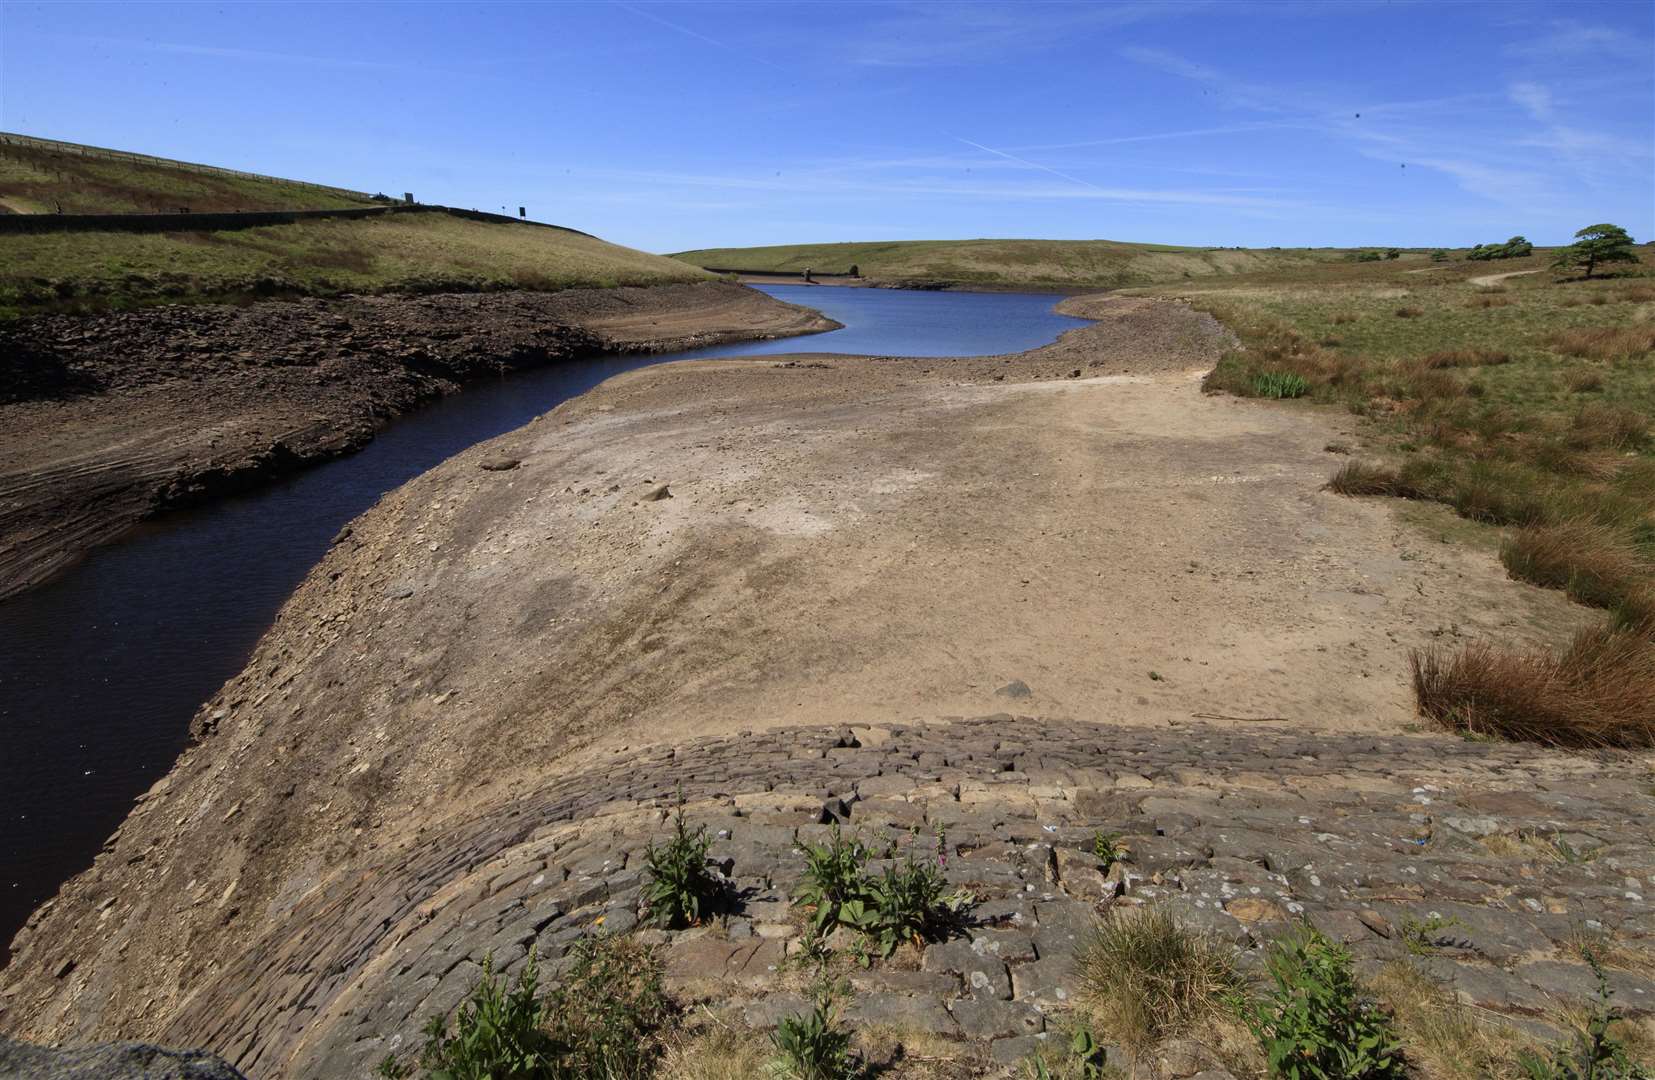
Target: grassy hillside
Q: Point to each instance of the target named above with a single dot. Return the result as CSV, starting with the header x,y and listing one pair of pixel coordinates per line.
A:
x,y
405,253
38,176
1013,263
83,271
1524,405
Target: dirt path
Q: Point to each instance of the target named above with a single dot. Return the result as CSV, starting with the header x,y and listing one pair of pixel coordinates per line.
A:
x,y
1488,281
715,547
106,420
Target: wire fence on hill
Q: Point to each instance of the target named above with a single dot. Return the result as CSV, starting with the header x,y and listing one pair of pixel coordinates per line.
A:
x,y
10,138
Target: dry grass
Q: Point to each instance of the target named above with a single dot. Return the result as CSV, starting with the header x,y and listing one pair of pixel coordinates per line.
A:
x,y
1599,692
1595,564
1344,318
1365,478
718,1053
1145,977
1584,380
1605,342
1466,357
1612,427
1444,1039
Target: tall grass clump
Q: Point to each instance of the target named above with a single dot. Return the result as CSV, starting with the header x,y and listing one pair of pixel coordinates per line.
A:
x,y
1145,977
1605,342
1598,692
1595,564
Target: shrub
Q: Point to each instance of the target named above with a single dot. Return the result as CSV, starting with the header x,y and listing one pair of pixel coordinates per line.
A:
x,y
681,886
604,1015
1314,1024
1279,384
1600,691
813,1046
601,1022
1515,248
1408,311
1145,977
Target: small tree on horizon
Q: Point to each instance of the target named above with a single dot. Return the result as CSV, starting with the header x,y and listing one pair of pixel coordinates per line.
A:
x,y
1596,244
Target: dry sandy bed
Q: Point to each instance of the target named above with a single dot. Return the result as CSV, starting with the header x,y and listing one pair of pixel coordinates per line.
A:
x,y
846,539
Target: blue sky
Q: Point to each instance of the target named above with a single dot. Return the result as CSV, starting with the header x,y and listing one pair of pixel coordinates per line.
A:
x,y
674,125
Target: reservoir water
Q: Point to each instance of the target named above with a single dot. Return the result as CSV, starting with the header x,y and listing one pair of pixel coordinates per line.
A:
x,y
101,670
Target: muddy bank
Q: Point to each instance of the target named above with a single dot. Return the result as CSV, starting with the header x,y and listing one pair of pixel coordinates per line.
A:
x,y
106,420
707,548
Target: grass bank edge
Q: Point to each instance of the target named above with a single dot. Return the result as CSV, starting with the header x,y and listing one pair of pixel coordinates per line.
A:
x,y
1538,424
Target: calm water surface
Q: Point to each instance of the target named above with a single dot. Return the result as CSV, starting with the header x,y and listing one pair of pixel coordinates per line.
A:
x,y
101,671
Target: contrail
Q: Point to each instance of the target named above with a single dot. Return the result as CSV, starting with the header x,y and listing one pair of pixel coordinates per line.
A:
x,y
744,53
1030,164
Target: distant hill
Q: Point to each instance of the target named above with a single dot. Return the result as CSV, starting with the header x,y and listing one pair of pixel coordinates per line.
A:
x,y
103,268
41,176
1011,263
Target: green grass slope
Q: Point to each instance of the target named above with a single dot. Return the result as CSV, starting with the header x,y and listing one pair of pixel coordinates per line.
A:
x,y
84,271
404,252
37,176
1011,263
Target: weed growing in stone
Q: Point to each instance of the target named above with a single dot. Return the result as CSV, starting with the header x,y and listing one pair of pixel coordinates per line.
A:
x,y
813,1046
834,876
601,1021
1421,936
1109,849
1085,1060
1594,1052
682,888
1314,1023
909,901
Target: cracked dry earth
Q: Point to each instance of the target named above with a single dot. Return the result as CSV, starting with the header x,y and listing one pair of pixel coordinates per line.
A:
x,y
770,582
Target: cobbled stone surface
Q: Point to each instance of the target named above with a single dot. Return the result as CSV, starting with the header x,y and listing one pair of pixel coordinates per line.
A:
x,y
1243,832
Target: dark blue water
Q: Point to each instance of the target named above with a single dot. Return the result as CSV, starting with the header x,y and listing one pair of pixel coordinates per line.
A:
x,y
101,670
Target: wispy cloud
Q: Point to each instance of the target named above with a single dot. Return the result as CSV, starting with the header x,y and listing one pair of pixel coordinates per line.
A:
x,y
1571,39
931,35
221,52
1486,159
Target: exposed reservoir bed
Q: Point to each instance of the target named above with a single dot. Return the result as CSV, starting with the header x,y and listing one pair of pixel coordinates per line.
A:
x,y
102,669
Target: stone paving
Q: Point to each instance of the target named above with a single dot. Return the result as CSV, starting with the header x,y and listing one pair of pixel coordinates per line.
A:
x,y
1485,861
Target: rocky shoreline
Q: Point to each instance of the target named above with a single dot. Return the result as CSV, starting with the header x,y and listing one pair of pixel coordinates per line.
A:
x,y
106,420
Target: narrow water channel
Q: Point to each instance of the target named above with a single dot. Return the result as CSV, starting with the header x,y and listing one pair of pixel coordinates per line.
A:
x,y
101,670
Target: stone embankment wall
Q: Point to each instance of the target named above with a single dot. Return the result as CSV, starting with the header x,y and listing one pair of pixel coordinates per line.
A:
x,y
1239,831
